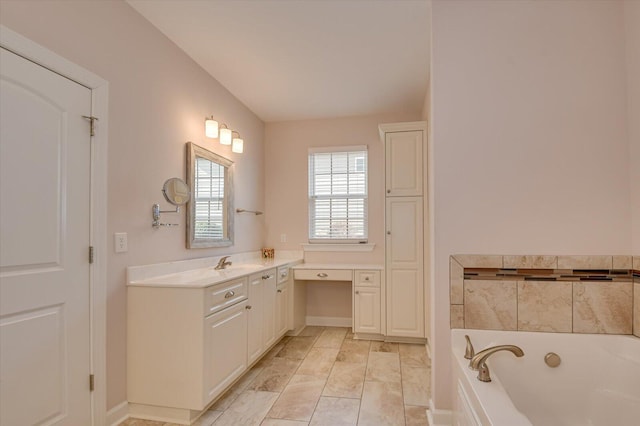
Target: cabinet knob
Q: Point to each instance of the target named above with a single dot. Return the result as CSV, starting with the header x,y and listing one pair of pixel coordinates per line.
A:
x,y
279,291
388,191
388,232
357,292
366,278
248,307
229,294
322,275
266,277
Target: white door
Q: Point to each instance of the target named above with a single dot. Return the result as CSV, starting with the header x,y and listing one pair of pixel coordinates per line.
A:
x,y
44,228
225,354
366,310
403,163
269,313
255,308
282,309
404,268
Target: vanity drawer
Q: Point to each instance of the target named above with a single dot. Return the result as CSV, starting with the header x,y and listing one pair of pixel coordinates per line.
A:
x,y
367,278
220,296
283,274
323,274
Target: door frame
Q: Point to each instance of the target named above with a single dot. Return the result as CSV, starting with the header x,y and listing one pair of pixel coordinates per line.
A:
x,y
99,87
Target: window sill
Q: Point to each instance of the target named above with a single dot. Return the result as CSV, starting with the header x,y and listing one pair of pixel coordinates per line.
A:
x,y
338,247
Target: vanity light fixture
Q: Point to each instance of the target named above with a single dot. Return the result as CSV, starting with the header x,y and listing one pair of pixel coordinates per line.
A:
x,y
210,128
225,135
238,144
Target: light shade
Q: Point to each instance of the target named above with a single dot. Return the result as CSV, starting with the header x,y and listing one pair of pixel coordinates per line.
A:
x,y
211,128
238,145
225,136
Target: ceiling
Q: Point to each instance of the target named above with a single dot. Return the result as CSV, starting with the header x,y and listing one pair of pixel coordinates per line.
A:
x,y
305,59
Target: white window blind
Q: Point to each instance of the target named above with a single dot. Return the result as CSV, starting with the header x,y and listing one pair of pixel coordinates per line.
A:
x,y
338,194
209,199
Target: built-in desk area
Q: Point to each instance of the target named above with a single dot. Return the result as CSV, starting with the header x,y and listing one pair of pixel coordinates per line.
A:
x,y
367,282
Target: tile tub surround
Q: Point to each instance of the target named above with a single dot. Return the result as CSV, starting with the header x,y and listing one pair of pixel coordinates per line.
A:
x,y
561,294
355,382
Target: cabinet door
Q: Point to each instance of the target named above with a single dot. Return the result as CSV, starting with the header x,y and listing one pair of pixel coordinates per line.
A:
x,y
282,308
255,312
225,349
404,267
403,163
366,310
269,313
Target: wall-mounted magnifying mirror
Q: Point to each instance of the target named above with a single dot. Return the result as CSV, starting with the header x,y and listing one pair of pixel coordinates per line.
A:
x,y
176,191
210,218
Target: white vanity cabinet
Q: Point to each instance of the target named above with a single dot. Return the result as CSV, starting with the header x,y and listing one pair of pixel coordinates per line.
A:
x,y
193,330
366,302
184,345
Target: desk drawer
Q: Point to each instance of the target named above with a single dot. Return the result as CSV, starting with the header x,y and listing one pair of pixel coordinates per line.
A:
x,y
323,274
225,294
367,278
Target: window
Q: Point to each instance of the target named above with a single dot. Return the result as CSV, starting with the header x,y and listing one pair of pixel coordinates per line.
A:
x,y
209,199
338,194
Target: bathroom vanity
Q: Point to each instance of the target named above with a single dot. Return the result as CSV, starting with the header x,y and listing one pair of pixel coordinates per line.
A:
x,y
193,330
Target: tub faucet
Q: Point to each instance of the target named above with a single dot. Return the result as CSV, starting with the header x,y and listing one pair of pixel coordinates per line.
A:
x,y
479,360
222,263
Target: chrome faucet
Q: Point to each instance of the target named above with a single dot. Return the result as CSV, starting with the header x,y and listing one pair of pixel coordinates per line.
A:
x,y
222,263
479,360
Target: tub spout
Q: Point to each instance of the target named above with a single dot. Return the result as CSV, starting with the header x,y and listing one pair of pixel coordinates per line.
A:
x,y
479,361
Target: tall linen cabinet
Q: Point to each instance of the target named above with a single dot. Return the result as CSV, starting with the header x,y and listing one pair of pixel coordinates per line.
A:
x,y
405,197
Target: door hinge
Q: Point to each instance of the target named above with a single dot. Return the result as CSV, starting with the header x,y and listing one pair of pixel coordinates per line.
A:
x,y
92,126
92,382
91,254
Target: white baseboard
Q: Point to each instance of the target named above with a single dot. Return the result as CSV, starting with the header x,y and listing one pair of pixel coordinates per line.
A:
x,y
329,321
438,417
118,414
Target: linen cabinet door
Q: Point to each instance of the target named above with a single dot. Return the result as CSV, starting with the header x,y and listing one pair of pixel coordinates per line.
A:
x,y
404,267
403,164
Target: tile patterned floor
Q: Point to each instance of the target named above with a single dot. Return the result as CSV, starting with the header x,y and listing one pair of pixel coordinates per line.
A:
x,y
323,377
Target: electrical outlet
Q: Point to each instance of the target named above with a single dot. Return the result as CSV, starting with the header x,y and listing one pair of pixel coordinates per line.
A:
x,y
283,238
120,241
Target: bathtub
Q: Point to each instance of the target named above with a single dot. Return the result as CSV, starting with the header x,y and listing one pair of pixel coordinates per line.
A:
x,y
596,384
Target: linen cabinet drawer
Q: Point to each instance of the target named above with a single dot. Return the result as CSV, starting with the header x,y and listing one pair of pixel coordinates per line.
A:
x,y
323,274
220,296
367,278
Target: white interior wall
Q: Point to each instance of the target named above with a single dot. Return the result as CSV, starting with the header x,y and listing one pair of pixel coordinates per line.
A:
x,y
529,134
